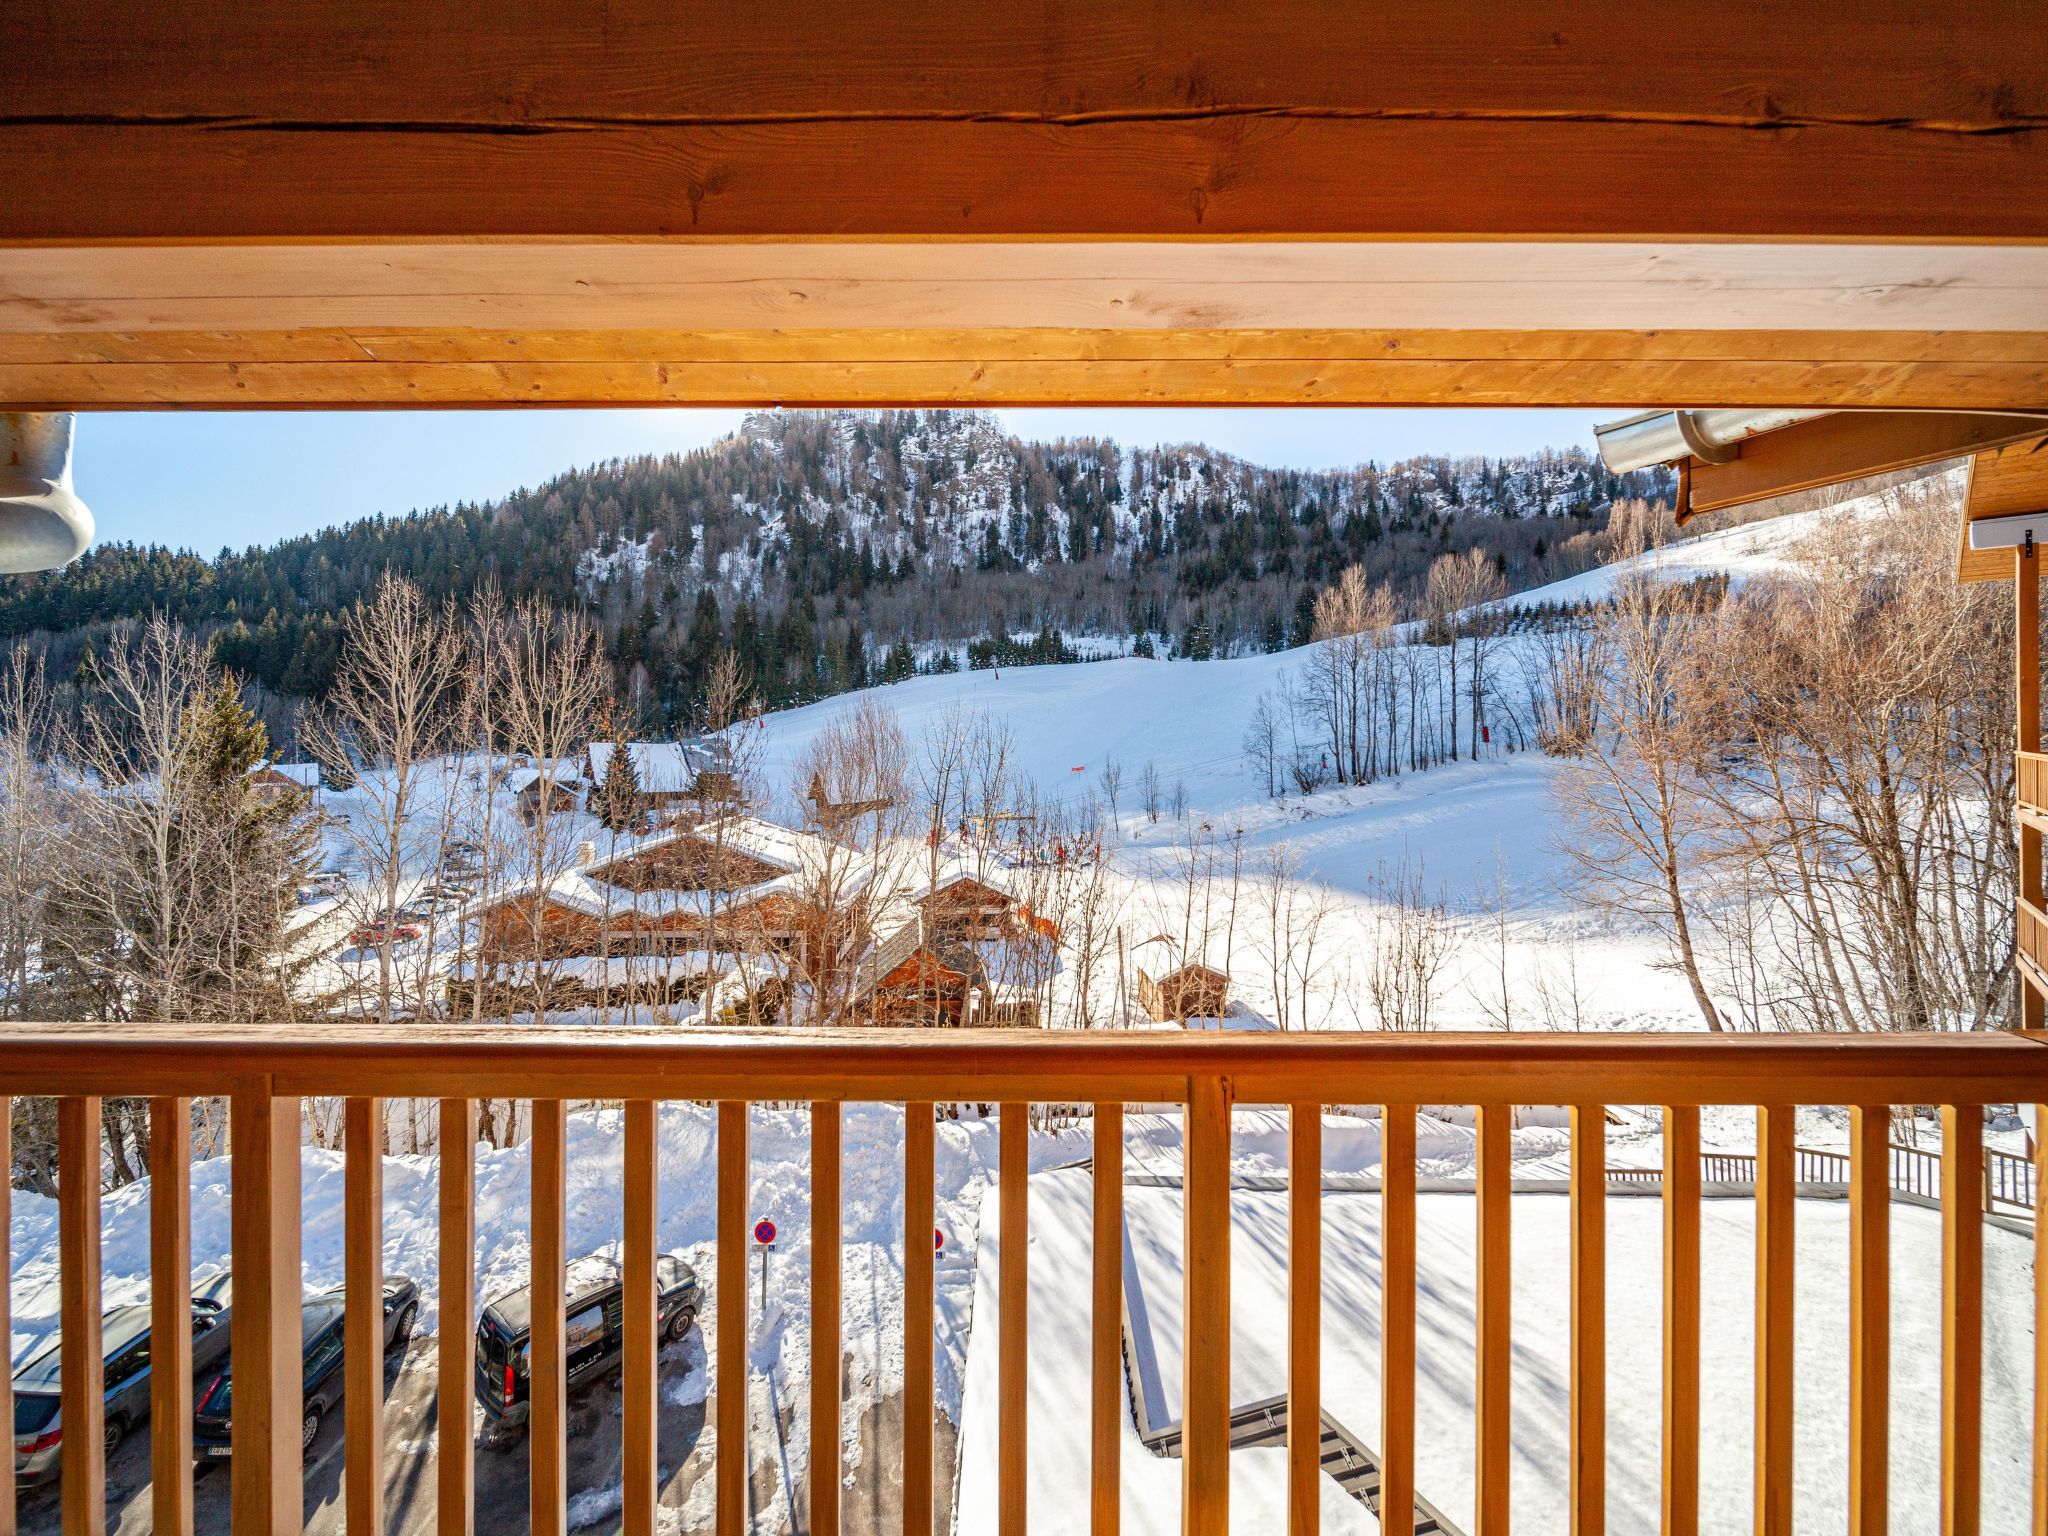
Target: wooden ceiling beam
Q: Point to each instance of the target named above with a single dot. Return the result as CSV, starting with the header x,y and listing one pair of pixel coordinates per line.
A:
x,y
1852,446
126,120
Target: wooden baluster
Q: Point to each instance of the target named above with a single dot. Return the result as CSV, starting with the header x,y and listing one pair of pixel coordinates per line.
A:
x,y
1774,1303
732,1318
1681,1320
82,1462
1495,1302
267,1492
826,1261
455,1513
170,1316
362,1348
1589,1320
1205,1311
917,1319
7,1510
1870,1224
1106,1367
1013,1364
1304,1318
640,1309
1397,1316
1962,1317
547,1301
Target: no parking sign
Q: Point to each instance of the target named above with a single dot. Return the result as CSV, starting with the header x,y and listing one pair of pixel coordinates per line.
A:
x,y
764,1232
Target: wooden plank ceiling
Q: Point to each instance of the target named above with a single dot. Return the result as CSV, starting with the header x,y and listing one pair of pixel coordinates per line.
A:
x,y
1475,202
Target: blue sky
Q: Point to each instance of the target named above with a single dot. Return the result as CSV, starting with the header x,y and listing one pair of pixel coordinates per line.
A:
x,y
208,480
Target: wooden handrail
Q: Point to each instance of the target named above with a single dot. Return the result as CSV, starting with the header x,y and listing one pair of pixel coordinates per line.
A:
x,y
266,1069
1035,1066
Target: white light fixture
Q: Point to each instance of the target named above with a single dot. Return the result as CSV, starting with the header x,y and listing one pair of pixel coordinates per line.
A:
x,y
2014,532
42,524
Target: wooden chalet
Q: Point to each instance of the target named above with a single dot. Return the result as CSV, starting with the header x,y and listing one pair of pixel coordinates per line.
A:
x,y
966,906
670,775
1186,992
283,781
431,204
733,887
835,816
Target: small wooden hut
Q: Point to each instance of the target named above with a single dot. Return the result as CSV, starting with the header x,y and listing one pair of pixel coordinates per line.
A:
x,y
1189,992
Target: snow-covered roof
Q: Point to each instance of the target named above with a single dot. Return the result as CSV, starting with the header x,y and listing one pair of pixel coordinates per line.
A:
x,y
519,780
659,767
305,775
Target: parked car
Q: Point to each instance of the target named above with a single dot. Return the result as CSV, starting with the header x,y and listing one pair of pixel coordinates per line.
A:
x,y
375,934
124,1337
321,1329
594,1338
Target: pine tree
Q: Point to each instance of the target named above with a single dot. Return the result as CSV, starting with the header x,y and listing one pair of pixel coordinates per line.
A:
x,y
618,797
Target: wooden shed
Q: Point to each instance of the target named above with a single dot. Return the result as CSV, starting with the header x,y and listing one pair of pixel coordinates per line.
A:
x,y
1189,992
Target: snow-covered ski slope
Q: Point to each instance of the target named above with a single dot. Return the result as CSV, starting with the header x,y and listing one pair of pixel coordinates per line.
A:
x,y
1469,827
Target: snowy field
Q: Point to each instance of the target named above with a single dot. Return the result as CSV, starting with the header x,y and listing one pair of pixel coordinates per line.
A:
x,y
1058,1432
1482,834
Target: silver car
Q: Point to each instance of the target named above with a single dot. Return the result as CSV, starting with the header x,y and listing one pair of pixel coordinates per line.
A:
x,y
124,1336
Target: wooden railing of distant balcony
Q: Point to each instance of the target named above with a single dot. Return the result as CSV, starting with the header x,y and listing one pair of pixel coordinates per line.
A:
x,y
265,1072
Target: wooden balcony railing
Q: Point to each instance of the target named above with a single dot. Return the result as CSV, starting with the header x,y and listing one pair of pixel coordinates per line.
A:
x,y
2031,784
266,1071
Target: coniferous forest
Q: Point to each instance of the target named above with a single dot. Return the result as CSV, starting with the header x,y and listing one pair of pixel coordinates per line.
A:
x,y
831,550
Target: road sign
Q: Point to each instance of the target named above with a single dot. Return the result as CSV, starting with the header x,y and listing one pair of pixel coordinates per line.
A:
x,y
938,1239
764,1232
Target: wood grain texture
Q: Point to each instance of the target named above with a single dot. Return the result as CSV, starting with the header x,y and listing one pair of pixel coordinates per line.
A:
x,y
455,1335
1013,1320
2033,1008
889,382
2003,481
1851,445
1962,1318
268,1489
1105,1326
1205,1309
363,1325
641,1181
81,1408
870,1065
1681,1502
593,300
547,1351
1304,117
918,1465
1589,1320
170,1316
1304,1317
1775,1294
1397,1306
1495,1508
1870,1212
734,1314
826,1264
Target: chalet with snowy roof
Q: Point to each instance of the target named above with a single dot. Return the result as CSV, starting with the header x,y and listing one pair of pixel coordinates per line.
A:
x,y
280,781
962,905
733,886
667,774
529,787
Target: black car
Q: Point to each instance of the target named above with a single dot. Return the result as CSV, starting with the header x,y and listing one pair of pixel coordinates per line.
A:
x,y
594,1338
124,1336
321,1328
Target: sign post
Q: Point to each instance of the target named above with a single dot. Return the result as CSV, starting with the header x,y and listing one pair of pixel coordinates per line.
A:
x,y
764,1241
